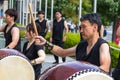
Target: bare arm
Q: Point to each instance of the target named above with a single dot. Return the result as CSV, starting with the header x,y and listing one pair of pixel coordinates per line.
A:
x,y
102,31
15,37
63,52
118,31
105,59
46,30
2,28
41,57
51,32
66,31
66,28
39,40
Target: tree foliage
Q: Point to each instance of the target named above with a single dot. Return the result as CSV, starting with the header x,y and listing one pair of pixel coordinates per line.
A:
x,y
70,8
108,9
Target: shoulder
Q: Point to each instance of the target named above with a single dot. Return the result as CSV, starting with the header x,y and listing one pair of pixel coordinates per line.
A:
x,y
45,20
63,20
25,44
4,27
54,20
102,41
82,43
37,20
15,29
103,44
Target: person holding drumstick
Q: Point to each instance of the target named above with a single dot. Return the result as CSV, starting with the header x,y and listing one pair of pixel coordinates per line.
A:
x,y
11,31
92,49
33,52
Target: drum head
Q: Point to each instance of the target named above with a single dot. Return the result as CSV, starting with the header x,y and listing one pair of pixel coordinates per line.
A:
x,y
89,76
15,68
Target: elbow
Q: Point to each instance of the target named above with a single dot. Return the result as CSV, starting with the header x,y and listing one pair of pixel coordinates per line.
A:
x,y
42,60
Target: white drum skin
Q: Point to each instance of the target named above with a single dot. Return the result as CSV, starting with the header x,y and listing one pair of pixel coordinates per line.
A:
x,y
15,66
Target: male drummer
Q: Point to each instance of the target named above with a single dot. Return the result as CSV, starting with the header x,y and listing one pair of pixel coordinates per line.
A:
x,y
11,31
92,49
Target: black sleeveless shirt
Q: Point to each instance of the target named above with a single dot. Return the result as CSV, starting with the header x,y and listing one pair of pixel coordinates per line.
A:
x,y
94,55
8,38
43,27
31,54
58,28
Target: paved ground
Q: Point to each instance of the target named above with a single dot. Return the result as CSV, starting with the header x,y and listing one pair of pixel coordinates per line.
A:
x,y
50,59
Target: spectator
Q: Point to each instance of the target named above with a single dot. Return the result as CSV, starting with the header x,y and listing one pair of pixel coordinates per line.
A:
x,y
43,23
57,37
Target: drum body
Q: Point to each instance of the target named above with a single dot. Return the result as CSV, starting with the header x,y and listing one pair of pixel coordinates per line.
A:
x,y
74,70
15,66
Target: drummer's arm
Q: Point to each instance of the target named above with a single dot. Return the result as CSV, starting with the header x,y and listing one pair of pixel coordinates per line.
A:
x,y
63,52
40,59
105,59
39,40
15,38
2,28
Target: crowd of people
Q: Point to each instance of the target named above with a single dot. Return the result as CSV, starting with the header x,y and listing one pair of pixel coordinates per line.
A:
x,y
92,48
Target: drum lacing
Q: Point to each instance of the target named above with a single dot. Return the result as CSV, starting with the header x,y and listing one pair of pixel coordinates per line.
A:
x,y
83,72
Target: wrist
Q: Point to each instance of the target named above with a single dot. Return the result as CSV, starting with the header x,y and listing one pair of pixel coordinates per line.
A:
x,y
33,62
49,45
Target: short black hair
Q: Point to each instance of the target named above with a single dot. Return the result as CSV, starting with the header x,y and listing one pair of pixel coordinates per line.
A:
x,y
12,13
30,27
93,18
41,12
59,11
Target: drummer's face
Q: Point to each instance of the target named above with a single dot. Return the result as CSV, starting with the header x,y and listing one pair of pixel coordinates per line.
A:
x,y
8,18
41,16
86,29
58,15
28,35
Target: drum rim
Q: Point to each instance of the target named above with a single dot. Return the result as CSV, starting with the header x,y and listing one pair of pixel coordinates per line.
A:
x,y
12,53
24,60
83,72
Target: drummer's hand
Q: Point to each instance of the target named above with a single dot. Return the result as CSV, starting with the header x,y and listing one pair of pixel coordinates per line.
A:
x,y
39,40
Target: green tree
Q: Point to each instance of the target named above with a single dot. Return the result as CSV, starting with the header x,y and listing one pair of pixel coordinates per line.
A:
x,y
70,8
108,9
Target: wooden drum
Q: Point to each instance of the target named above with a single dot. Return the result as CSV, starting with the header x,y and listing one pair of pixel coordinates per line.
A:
x,y
15,66
74,70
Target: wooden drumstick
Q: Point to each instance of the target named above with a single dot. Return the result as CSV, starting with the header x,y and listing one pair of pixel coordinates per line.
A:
x,y
33,20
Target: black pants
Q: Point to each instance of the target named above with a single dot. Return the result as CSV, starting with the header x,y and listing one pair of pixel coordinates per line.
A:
x,y
61,44
37,69
116,72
